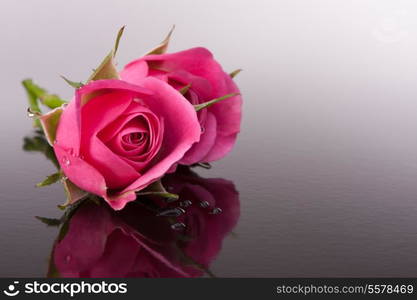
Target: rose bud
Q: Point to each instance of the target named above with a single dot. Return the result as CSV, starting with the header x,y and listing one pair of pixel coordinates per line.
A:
x,y
200,78
115,138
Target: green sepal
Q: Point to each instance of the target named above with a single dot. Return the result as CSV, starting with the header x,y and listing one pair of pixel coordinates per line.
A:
x,y
73,192
74,84
235,72
39,143
107,69
184,89
118,37
50,179
163,46
49,122
201,106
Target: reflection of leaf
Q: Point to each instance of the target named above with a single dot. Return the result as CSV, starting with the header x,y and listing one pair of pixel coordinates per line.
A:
x,y
156,189
64,223
49,221
50,179
38,143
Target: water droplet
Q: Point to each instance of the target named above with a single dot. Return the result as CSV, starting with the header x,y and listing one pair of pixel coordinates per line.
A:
x,y
33,114
68,259
204,204
215,211
65,161
203,129
185,203
178,226
170,188
175,212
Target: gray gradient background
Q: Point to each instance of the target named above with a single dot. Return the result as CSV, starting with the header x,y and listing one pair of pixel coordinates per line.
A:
x,y
326,163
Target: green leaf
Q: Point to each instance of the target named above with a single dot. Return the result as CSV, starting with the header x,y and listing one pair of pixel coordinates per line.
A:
x,y
107,69
163,46
52,100
50,179
49,221
49,122
199,107
74,84
184,89
35,92
32,99
235,72
156,189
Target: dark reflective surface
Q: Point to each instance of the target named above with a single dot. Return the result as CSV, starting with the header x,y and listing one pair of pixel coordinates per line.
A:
x,y
96,241
325,164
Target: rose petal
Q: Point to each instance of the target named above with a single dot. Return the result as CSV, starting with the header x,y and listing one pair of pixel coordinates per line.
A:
x,y
199,151
181,129
80,172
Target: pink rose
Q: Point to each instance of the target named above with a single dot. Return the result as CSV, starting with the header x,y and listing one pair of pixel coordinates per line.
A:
x,y
220,123
134,242
116,138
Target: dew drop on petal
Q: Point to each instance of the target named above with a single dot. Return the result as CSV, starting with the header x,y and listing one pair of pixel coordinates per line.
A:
x,y
65,161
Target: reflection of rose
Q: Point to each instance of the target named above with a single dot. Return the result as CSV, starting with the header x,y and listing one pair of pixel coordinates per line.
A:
x,y
134,242
197,69
116,138
214,212
99,244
